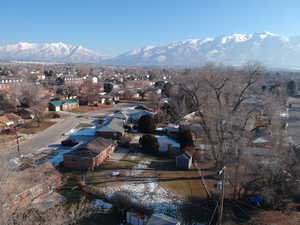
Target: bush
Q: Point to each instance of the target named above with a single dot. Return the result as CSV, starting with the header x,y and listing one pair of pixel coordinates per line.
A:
x,y
146,124
149,144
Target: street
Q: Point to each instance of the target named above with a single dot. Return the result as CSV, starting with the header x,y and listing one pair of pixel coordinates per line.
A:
x,y
293,128
55,134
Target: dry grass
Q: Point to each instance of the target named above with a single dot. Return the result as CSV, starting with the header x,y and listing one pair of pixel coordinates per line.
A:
x,y
184,183
85,109
4,138
61,115
33,128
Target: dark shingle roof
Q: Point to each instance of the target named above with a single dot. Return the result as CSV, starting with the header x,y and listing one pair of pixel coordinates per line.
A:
x,y
112,125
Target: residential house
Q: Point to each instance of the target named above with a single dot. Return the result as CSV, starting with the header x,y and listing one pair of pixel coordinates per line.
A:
x,y
15,118
171,130
26,114
91,155
7,83
5,122
184,160
112,128
135,218
262,142
135,114
63,105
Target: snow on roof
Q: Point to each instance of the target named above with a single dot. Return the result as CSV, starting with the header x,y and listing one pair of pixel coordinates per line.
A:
x,y
261,140
165,141
83,132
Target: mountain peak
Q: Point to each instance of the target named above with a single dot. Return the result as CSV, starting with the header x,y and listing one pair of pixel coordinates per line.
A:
x,y
233,49
56,51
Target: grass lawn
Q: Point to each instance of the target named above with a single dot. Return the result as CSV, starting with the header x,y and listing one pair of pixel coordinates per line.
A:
x,y
85,109
33,128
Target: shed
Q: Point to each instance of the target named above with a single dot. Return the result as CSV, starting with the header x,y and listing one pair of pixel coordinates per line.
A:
x,y
184,160
161,219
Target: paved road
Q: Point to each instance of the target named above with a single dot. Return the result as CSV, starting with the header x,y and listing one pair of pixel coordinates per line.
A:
x,y
54,134
294,120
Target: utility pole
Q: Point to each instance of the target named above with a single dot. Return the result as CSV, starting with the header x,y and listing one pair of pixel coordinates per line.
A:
x,y
18,144
222,197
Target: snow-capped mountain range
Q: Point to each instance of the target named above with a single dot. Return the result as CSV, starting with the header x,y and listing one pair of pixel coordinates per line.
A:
x,y
52,52
235,49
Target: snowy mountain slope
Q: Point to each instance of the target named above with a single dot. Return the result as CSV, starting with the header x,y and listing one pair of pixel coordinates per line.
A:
x,y
57,52
235,49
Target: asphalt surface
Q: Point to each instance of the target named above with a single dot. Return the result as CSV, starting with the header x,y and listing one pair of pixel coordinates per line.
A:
x,y
53,135
293,128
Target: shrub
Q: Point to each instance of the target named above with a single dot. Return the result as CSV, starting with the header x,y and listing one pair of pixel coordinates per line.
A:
x,y
149,144
146,124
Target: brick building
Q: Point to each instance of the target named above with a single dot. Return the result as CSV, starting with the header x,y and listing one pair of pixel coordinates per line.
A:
x,y
113,128
91,155
7,83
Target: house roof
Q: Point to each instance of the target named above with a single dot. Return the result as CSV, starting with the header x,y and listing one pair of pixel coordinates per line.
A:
x,y
186,155
12,116
92,149
112,125
99,144
161,219
61,102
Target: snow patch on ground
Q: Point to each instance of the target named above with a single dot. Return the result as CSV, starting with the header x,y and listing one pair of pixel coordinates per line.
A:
x,y
139,168
148,193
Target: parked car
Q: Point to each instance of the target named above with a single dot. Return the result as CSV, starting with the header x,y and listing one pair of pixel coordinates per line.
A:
x,y
69,143
9,131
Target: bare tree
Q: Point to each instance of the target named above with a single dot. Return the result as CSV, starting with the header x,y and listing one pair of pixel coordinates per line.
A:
x,y
226,101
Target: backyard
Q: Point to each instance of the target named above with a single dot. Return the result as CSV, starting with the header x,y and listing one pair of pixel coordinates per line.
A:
x,y
152,181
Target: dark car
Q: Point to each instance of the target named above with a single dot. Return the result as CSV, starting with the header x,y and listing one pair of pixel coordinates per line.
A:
x,y
9,131
69,143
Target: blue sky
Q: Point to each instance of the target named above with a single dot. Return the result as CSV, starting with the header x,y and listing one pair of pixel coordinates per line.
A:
x,y
115,26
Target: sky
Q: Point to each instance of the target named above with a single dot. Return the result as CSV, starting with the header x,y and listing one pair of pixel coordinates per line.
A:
x,y
116,26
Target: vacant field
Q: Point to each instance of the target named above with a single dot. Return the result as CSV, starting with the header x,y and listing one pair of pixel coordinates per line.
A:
x,y
85,109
